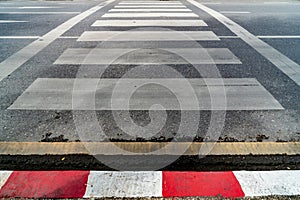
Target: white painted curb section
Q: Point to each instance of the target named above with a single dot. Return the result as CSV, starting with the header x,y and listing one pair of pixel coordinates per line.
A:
x,y
264,183
124,184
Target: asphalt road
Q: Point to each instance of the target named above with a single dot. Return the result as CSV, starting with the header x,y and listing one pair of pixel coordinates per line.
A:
x,y
203,77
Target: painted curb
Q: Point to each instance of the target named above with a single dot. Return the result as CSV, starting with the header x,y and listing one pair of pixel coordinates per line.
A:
x,y
150,148
87,184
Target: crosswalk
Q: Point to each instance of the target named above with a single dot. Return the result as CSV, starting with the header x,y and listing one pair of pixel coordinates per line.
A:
x,y
148,56
150,10
152,23
56,93
147,36
145,15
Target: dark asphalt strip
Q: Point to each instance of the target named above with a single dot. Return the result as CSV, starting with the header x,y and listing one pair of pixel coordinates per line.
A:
x,y
184,163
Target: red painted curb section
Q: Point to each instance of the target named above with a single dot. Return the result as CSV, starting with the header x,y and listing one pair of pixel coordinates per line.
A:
x,y
45,184
183,184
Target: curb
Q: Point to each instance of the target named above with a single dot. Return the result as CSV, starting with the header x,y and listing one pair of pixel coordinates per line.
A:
x,y
104,184
150,148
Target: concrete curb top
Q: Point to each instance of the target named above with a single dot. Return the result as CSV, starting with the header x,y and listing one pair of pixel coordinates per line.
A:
x,y
150,148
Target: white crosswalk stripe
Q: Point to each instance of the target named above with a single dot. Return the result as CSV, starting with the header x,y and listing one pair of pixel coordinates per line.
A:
x,y
128,23
141,2
147,36
106,56
59,93
150,6
151,10
151,3
148,15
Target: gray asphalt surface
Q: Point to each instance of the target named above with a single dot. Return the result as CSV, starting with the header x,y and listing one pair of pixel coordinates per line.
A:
x,y
263,19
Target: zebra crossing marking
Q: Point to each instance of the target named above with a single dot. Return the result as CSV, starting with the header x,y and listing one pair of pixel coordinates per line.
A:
x,y
151,3
105,56
151,10
148,36
145,15
150,6
133,22
59,93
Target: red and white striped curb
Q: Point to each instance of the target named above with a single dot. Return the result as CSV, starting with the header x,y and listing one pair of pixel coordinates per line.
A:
x,y
85,184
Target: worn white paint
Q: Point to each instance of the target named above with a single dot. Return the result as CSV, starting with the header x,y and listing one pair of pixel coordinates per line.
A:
x,y
124,184
145,15
151,3
228,36
69,37
151,10
150,6
264,183
235,12
211,3
107,56
135,22
61,93
71,3
147,36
